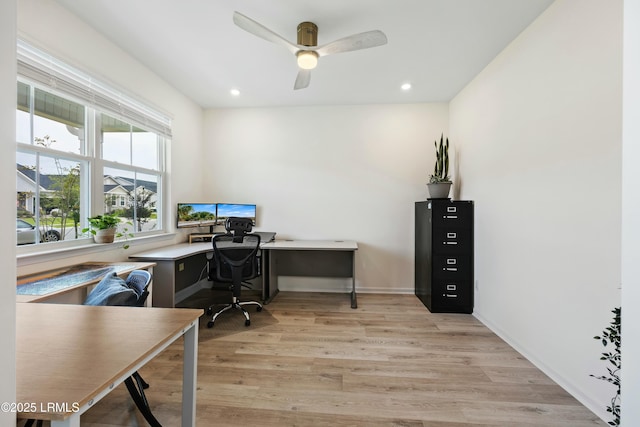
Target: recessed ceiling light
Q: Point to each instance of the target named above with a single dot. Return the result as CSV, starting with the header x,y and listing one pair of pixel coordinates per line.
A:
x,y
406,86
235,92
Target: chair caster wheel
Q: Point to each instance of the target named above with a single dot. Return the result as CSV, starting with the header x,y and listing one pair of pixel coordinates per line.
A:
x,y
209,311
247,322
210,324
259,308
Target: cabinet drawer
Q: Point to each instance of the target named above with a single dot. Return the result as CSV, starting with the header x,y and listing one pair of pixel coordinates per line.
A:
x,y
451,266
453,214
452,240
453,293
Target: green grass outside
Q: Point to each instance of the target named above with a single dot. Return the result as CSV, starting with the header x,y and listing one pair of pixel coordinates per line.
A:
x,y
57,222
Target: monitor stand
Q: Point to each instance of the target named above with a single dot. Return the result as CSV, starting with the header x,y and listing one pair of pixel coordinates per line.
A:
x,y
202,237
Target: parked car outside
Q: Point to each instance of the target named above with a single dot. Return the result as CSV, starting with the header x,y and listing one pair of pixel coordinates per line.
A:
x,y
27,233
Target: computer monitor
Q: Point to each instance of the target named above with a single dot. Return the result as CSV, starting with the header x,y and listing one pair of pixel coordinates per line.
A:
x,y
225,210
197,215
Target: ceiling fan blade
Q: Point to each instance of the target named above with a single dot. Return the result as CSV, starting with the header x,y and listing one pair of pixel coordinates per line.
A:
x,y
303,79
355,42
261,31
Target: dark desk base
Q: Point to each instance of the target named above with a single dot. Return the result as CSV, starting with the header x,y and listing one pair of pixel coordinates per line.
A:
x,y
306,263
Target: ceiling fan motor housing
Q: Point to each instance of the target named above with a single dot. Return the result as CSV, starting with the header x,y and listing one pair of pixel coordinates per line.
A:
x,y
307,34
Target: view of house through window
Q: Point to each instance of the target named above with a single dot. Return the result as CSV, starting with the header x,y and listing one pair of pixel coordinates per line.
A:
x,y
61,144
133,196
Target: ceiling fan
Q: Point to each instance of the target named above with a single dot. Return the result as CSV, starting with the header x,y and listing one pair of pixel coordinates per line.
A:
x,y
307,50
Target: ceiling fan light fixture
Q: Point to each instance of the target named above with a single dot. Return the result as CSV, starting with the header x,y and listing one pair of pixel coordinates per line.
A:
x,y
307,50
307,59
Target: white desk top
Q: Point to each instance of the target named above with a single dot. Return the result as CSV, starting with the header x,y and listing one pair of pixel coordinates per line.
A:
x,y
312,245
183,250
174,252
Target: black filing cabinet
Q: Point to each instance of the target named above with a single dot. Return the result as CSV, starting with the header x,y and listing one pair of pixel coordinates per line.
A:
x,y
444,255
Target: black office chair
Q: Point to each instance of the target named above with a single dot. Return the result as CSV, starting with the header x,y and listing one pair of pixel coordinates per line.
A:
x,y
133,291
235,260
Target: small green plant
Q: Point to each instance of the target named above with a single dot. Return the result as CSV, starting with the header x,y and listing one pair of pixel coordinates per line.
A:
x,y
101,222
441,169
107,221
612,336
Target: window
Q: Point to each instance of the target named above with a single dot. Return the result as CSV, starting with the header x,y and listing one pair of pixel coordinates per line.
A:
x,y
83,149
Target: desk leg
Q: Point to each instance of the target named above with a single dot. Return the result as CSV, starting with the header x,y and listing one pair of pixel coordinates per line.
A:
x,y
270,287
189,375
149,301
354,300
72,421
266,280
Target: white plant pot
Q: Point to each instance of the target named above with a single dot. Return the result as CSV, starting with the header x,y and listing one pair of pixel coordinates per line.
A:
x,y
105,236
439,190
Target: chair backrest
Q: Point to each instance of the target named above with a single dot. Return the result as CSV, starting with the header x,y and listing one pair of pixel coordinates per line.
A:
x,y
235,254
139,280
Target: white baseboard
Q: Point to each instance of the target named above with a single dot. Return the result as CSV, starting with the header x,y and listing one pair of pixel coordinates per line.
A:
x,y
313,284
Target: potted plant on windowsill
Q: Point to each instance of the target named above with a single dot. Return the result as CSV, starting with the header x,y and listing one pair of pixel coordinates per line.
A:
x,y
104,229
439,182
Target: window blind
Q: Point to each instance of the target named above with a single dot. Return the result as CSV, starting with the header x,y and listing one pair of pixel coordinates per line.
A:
x,y
43,68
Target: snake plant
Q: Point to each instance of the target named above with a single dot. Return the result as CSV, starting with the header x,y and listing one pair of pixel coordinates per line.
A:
x,y
441,169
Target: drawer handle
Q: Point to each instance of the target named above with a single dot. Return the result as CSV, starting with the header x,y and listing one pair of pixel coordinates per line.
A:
x,y
452,261
452,235
452,209
452,287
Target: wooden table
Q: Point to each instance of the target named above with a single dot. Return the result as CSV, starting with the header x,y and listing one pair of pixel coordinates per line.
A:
x,y
68,357
315,258
61,282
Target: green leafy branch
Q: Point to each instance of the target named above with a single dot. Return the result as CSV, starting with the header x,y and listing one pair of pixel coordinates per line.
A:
x,y
612,335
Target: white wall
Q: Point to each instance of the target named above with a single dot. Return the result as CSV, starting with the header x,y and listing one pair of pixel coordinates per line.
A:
x,y
7,192
339,172
75,42
540,139
631,216
542,122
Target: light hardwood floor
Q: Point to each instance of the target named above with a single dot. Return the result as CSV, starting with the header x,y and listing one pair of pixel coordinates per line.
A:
x,y
314,361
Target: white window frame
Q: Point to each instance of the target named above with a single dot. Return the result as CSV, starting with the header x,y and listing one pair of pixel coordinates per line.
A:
x,y
39,70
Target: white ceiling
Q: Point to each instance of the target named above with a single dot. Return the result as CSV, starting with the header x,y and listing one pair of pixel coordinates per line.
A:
x,y
436,45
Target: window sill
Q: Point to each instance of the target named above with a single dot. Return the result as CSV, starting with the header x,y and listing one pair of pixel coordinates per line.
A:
x,y
37,257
